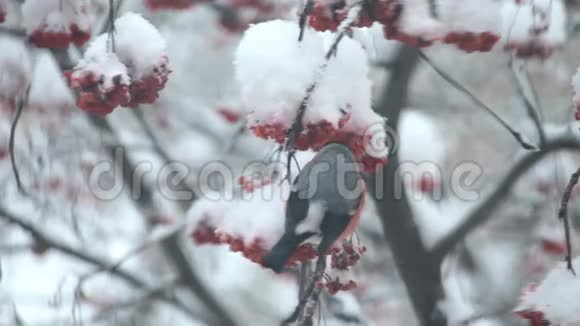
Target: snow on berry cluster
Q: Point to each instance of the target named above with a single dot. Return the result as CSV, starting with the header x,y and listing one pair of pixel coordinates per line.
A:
x,y
327,15
169,4
250,224
57,23
253,222
533,28
127,68
555,300
276,72
249,12
470,25
419,23
101,83
15,68
576,96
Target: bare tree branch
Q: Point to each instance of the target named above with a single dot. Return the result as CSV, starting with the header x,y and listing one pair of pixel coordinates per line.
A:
x,y
516,134
308,6
133,252
21,103
563,216
171,247
85,257
530,104
304,312
161,152
483,211
312,295
419,270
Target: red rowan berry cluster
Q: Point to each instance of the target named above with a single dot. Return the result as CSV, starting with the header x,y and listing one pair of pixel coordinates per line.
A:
x,y
45,38
471,42
133,74
530,49
229,114
535,318
146,90
360,145
316,135
254,251
334,286
169,4
393,14
539,30
345,257
57,24
97,92
553,247
328,15
250,184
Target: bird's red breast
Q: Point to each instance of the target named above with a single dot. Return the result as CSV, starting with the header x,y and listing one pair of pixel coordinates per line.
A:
x,y
351,227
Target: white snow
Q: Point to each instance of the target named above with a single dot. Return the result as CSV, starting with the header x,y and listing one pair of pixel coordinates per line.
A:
x,y
373,41
275,71
416,20
15,66
139,44
469,16
48,88
55,15
104,63
556,296
258,215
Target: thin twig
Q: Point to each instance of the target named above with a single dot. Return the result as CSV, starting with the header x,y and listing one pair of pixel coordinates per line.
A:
x,y
145,203
159,150
306,306
20,107
85,257
151,294
483,211
305,270
308,6
530,105
311,295
563,216
517,135
297,125
111,25
135,251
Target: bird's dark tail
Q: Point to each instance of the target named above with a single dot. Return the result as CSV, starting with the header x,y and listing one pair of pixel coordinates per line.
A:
x,y
279,255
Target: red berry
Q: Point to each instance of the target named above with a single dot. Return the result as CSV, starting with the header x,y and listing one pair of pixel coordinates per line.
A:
x,y
169,4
